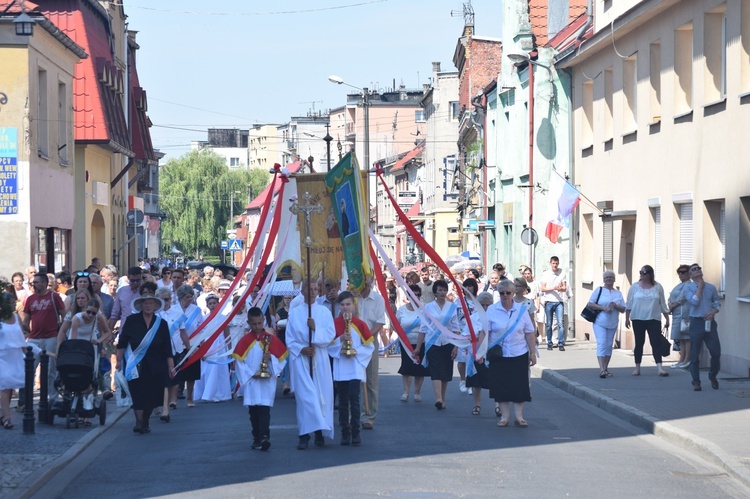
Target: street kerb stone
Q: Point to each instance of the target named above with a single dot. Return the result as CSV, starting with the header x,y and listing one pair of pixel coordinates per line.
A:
x,y
688,441
51,466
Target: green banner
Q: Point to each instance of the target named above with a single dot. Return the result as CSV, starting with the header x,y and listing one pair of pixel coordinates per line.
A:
x,y
348,201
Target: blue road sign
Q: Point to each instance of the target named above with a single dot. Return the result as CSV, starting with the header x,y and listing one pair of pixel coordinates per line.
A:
x,y
224,245
235,245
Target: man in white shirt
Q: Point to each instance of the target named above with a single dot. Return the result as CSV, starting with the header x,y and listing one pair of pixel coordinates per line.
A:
x,y
555,287
371,308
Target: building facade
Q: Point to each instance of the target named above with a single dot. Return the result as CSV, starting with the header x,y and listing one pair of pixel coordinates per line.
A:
x,y
660,115
37,160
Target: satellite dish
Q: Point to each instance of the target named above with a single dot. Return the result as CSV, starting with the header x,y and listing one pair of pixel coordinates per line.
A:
x,y
529,236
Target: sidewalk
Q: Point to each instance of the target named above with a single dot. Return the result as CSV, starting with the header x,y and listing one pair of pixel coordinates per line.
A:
x,y
28,461
710,423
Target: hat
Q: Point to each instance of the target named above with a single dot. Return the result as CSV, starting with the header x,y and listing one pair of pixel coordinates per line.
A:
x,y
212,296
225,284
137,301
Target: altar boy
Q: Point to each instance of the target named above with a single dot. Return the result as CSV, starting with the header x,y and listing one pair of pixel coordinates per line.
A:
x,y
258,391
349,367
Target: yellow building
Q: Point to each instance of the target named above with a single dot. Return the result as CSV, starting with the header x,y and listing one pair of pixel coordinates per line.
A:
x,y
37,161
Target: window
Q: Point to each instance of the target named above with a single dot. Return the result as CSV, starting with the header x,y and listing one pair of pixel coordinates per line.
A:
x,y
455,109
587,249
62,123
630,94
744,227
608,95
587,116
714,241
42,115
234,162
745,45
685,244
715,55
654,78
656,235
51,249
419,116
683,69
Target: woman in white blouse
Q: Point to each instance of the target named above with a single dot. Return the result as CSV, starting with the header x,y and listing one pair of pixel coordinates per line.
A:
x,y
645,303
511,328
610,303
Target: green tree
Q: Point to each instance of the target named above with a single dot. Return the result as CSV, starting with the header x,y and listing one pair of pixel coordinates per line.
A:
x,y
195,191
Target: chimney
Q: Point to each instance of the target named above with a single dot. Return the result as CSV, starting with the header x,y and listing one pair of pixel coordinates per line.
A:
x,y
435,67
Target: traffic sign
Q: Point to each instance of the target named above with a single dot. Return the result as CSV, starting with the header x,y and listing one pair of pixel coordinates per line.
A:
x,y
224,245
134,217
235,245
133,230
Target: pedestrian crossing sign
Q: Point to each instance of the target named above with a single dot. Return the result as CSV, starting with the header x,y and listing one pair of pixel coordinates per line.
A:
x,y
235,245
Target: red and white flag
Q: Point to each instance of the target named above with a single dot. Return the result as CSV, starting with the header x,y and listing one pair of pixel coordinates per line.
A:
x,y
563,199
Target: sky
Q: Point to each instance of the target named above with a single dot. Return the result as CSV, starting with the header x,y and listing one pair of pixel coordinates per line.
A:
x,y
235,63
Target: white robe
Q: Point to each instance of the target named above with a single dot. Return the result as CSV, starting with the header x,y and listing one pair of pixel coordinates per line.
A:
x,y
258,391
349,368
314,396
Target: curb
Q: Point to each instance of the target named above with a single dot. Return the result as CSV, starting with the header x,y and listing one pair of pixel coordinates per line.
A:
x,y
697,445
31,484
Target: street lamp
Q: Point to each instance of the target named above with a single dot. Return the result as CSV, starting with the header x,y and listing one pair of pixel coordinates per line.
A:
x,y
519,58
24,25
366,105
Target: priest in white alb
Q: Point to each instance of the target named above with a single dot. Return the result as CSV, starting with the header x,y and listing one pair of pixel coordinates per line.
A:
x,y
313,393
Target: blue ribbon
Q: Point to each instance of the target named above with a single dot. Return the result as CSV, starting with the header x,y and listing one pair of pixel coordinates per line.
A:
x,y
435,333
135,356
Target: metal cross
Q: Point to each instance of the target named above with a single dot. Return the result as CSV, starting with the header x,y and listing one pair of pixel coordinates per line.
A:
x,y
306,208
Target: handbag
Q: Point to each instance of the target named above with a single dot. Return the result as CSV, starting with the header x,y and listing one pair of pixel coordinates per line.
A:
x,y
495,353
665,347
684,326
589,313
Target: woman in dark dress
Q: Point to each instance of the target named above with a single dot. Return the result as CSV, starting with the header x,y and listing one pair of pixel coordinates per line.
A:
x,y
154,363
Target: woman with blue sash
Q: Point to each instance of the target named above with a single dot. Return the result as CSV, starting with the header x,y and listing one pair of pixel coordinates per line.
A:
x,y
439,352
193,317
174,318
411,320
146,348
512,331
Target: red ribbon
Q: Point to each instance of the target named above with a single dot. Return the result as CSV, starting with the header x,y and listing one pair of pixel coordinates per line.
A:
x,y
430,251
384,292
256,276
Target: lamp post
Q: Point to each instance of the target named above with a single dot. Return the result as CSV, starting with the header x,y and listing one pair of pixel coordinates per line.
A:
x,y
518,59
366,106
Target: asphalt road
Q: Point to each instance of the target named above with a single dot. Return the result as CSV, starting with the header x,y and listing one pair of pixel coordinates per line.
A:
x,y
569,449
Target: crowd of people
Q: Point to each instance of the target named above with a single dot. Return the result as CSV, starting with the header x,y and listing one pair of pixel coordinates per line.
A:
x,y
324,342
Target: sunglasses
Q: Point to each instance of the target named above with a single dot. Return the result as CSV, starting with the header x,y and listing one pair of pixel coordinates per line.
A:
x,y
644,272
505,293
682,271
89,312
418,295
135,281
693,269
82,274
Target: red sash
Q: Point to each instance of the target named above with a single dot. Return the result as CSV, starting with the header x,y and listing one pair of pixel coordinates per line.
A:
x,y
356,325
276,347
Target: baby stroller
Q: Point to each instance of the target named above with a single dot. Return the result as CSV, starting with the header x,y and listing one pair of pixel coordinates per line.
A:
x,y
77,368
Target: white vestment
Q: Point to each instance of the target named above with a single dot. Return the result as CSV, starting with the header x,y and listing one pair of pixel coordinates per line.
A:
x,y
258,391
314,395
349,368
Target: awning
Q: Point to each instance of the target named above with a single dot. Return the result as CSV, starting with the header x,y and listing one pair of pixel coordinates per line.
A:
x,y
409,156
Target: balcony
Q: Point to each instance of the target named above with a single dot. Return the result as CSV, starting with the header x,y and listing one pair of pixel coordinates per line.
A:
x,y
349,129
145,184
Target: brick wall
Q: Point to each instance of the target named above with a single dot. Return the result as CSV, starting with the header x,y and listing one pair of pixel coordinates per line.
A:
x,y
482,66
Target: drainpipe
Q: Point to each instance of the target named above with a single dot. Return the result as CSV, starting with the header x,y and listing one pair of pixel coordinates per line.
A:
x,y
587,24
574,225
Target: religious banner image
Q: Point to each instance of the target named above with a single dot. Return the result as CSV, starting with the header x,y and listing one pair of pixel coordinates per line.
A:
x,y
345,191
326,254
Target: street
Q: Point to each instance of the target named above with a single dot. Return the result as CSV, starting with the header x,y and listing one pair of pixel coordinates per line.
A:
x,y
570,448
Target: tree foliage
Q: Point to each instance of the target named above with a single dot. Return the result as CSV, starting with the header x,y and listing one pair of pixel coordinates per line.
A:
x,y
195,191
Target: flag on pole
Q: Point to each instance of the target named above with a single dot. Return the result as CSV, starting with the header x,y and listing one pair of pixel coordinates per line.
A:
x,y
563,199
346,190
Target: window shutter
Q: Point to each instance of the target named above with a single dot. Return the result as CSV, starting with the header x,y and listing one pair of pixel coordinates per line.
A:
x,y
607,242
686,233
657,241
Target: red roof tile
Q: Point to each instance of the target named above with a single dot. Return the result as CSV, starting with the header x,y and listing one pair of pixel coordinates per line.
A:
x,y
99,83
408,157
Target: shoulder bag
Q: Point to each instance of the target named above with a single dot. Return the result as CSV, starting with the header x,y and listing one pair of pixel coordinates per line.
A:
x,y
589,313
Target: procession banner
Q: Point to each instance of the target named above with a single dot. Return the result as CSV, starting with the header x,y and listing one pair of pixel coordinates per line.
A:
x,y
348,199
326,254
